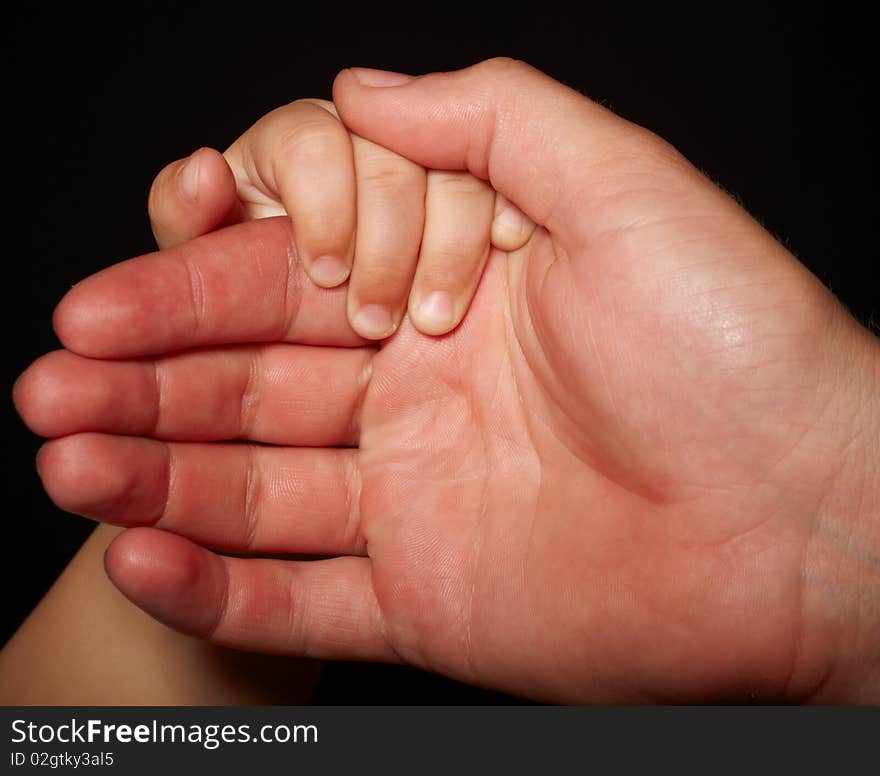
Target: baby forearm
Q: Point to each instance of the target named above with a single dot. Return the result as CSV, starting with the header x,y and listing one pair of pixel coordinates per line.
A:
x,y
85,644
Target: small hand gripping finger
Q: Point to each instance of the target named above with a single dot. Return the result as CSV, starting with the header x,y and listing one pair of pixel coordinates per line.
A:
x,y
298,160
425,238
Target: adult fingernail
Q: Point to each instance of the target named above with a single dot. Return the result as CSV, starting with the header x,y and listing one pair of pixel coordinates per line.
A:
x,y
328,271
373,321
437,313
366,76
189,178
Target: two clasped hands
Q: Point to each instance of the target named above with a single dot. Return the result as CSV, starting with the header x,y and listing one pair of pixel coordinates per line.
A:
x,y
576,427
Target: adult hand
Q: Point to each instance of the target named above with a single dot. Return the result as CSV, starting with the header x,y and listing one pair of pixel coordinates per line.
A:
x,y
643,468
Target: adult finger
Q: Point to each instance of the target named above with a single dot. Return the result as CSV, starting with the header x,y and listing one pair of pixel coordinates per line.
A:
x,y
244,283
191,197
323,608
241,498
277,394
299,156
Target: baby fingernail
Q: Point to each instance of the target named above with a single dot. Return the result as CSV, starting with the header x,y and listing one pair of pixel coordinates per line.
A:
x,y
437,312
328,271
189,178
373,321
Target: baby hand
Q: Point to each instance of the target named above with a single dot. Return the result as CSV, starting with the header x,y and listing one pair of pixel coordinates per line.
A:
x,y
409,238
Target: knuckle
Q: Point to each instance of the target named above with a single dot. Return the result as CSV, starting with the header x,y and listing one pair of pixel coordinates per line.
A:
x,y
378,279
350,529
502,66
252,500
387,175
448,257
655,149
249,400
313,137
646,157
197,292
457,184
325,105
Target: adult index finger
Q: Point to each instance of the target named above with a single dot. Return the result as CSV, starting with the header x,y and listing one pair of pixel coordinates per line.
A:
x,y
245,283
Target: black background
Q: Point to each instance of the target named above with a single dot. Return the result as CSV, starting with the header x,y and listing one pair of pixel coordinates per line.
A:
x,y
770,101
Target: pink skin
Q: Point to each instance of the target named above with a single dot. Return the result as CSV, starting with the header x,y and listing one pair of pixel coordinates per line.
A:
x,y
407,234
632,473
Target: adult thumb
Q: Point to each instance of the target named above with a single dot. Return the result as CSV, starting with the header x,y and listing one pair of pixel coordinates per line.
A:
x,y
543,145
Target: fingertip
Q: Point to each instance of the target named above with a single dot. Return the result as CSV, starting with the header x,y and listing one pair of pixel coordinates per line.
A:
x,y
188,178
345,86
373,321
125,554
169,577
40,393
511,228
38,460
379,79
205,170
23,393
329,271
73,322
359,77
192,196
61,466
342,77
65,467
83,326
116,479
434,313
146,561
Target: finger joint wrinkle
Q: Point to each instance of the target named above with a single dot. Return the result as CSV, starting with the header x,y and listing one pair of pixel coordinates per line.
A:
x,y
197,295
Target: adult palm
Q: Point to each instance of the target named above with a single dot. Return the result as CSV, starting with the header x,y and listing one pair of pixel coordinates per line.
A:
x,y
604,484
614,481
